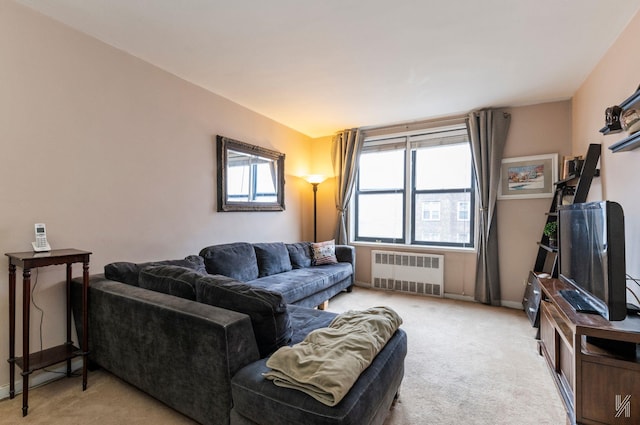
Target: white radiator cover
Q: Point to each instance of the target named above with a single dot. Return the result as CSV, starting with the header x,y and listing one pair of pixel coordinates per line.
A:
x,y
416,273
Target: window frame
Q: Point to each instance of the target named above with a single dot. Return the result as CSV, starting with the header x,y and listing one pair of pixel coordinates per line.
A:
x,y
412,141
402,191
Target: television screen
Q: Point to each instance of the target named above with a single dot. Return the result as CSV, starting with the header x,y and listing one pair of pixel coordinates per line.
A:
x,y
591,256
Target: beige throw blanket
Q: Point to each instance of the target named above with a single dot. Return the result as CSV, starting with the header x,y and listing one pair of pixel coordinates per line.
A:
x,y
329,360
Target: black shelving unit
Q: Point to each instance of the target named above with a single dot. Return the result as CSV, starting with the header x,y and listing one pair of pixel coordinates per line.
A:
x,y
571,190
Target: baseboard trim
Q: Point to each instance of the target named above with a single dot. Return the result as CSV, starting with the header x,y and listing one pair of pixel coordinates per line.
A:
x,y
512,304
459,297
44,377
504,303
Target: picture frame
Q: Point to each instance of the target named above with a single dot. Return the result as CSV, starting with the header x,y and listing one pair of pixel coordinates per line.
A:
x,y
569,166
528,177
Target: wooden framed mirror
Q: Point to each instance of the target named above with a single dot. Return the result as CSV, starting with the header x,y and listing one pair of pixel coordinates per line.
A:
x,y
250,178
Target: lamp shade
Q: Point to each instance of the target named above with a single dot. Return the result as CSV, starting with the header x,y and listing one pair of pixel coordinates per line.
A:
x,y
315,178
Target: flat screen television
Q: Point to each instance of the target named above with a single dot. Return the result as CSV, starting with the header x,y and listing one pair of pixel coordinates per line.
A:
x,y
591,255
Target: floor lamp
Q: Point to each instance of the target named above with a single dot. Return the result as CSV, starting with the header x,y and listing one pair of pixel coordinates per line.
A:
x,y
315,180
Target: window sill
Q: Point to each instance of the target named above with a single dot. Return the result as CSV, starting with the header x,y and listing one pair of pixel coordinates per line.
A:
x,y
417,248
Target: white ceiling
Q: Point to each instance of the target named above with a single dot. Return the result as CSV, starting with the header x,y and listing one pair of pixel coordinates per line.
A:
x,y
324,65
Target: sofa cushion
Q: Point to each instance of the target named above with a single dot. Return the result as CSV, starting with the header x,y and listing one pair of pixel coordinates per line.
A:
x,y
298,284
305,320
300,254
272,258
324,253
172,280
127,272
235,260
267,310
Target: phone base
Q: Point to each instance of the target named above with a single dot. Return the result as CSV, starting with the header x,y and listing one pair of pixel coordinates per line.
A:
x,y
37,248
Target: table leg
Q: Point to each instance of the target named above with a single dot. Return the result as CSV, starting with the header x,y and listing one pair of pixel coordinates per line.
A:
x,y
12,330
69,343
26,302
85,322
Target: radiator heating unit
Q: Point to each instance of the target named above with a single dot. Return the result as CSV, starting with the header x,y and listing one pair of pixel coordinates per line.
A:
x,y
421,274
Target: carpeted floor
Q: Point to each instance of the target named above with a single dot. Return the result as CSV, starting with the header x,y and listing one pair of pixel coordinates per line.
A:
x,y
467,364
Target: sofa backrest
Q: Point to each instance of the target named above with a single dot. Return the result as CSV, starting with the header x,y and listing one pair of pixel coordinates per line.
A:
x,y
267,309
127,272
245,262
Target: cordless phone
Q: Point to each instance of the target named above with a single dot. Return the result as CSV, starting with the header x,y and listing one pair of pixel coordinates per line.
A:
x,y
41,243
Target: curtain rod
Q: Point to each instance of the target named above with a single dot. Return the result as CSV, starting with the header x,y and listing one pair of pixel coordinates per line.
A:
x,y
412,125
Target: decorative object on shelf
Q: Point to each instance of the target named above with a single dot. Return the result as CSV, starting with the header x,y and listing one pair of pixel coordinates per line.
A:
x,y
571,166
551,231
630,120
528,177
612,118
315,180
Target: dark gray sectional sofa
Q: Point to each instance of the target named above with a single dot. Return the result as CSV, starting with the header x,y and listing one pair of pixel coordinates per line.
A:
x,y
199,342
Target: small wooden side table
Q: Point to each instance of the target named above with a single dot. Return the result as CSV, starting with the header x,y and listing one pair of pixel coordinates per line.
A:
x,y
30,362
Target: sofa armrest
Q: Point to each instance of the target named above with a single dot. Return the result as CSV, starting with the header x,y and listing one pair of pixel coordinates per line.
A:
x,y
164,344
346,254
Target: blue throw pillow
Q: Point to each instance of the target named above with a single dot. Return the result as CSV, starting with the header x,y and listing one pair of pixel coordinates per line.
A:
x,y
234,260
272,258
300,254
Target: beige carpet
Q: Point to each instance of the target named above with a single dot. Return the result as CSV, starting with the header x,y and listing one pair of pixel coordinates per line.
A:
x,y
467,364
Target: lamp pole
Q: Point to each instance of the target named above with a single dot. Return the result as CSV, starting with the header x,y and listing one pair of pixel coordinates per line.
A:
x,y
315,180
315,191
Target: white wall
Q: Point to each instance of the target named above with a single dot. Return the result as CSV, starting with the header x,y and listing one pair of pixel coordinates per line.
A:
x,y
535,130
614,79
117,157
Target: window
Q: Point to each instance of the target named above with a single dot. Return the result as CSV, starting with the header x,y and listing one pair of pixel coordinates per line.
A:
x,y
416,189
431,211
463,211
251,182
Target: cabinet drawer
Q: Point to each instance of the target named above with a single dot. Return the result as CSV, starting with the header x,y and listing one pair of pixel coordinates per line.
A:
x,y
531,300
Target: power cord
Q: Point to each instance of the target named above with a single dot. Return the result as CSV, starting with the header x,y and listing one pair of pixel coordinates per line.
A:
x,y
637,282
37,307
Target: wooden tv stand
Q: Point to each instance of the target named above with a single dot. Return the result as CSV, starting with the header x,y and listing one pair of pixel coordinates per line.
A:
x,y
594,363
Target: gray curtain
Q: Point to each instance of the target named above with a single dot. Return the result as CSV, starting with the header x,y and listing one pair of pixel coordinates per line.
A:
x,y
345,155
488,133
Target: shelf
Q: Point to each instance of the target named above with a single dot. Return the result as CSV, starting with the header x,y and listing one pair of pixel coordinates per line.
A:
x,y
606,130
566,180
547,247
632,141
634,98
627,144
630,100
48,357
